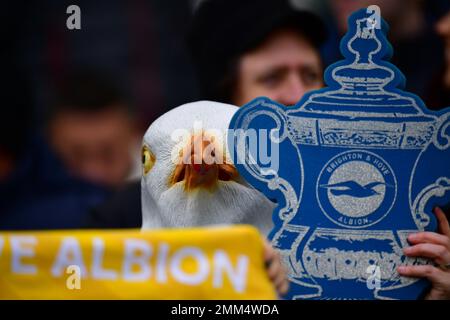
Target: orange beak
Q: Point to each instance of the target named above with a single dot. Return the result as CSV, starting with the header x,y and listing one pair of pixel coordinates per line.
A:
x,y
202,164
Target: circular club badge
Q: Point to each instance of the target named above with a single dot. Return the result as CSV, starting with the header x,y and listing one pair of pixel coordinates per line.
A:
x,y
356,189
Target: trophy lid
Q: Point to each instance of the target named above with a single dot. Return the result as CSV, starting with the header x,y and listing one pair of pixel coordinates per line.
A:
x,y
364,85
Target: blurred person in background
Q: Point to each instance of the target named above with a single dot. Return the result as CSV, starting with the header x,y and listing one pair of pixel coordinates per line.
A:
x,y
439,91
92,130
137,42
443,29
36,192
245,49
237,61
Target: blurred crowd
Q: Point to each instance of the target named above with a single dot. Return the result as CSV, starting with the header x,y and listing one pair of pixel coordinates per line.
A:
x,y
77,102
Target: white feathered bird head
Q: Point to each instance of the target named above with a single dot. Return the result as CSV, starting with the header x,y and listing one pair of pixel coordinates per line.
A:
x,y
188,177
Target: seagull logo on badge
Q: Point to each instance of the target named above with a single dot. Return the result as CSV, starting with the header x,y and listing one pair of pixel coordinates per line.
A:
x,y
353,189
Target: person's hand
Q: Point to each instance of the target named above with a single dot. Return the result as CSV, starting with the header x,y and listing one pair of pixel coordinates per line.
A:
x,y
435,246
275,269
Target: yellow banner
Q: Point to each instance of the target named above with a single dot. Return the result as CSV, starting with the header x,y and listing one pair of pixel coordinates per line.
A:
x,y
214,263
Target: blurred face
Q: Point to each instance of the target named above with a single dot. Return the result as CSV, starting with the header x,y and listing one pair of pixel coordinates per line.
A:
x,y
443,28
283,68
94,146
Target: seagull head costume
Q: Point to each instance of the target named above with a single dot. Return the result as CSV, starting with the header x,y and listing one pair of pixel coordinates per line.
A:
x,y
188,178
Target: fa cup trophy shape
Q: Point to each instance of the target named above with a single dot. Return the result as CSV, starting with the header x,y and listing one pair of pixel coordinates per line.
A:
x,y
359,165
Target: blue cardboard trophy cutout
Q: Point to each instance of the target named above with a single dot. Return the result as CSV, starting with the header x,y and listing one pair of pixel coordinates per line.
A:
x,y
354,168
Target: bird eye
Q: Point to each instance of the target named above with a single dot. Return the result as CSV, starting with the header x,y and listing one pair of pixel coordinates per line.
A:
x,y
148,160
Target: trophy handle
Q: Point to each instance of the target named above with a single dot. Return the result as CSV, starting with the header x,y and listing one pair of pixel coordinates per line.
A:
x,y
242,148
441,139
437,189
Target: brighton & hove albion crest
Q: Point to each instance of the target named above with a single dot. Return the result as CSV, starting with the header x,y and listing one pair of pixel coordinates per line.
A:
x,y
356,189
